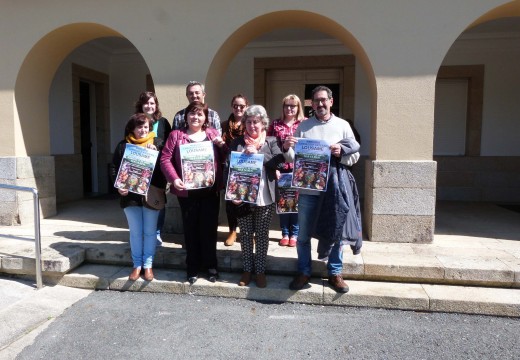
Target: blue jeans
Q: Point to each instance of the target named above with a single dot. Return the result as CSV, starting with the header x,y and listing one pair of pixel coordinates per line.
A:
x,y
289,224
307,205
142,223
160,221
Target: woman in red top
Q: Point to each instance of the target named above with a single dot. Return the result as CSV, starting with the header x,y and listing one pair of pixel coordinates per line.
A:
x,y
199,206
292,116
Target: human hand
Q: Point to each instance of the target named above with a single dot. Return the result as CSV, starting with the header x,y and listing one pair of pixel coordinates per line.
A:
x,y
178,184
218,141
289,142
335,149
123,192
250,149
151,146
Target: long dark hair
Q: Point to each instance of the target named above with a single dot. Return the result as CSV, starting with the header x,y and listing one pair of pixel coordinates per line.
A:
x,y
143,99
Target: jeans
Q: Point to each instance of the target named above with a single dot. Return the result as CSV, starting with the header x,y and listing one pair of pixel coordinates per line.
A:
x,y
160,222
289,224
307,205
142,223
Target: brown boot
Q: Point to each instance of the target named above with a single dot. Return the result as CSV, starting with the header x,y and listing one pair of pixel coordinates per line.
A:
x,y
337,282
232,237
261,281
148,274
245,279
135,274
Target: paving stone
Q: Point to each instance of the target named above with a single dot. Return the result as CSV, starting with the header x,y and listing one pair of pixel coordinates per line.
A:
x,y
477,270
474,300
378,294
415,268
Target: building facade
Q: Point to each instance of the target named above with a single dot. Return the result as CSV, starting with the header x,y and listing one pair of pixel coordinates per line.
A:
x,y
430,86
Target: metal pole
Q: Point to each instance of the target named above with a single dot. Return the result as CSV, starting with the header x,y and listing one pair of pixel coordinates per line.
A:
x,y
37,239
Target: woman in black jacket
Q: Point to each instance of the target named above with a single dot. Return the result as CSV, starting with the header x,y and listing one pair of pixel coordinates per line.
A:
x,y
142,219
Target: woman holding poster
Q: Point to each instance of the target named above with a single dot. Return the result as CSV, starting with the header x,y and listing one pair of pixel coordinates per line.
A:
x,y
142,219
148,104
292,116
197,191
256,223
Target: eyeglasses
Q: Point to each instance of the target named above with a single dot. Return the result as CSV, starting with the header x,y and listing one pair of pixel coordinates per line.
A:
x,y
289,106
322,100
237,106
253,122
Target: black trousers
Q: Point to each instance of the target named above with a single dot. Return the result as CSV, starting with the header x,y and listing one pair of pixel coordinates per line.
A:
x,y
200,221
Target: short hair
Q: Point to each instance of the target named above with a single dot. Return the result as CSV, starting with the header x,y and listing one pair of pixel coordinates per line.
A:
x,y
143,99
239,96
299,114
193,83
196,107
137,120
322,88
256,110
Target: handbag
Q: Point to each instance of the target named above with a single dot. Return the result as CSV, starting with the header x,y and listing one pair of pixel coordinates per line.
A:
x,y
155,198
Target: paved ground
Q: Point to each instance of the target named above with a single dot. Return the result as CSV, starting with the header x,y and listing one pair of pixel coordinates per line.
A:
x,y
128,325
476,245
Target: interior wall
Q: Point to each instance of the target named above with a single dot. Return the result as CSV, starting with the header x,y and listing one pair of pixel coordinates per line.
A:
x,y
501,108
239,78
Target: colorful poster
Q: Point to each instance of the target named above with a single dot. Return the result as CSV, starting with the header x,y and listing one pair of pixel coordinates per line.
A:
x,y
311,164
198,169
136,169
245,172
287,196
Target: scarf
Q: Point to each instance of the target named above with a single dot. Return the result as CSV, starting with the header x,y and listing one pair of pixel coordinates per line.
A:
x,y
258,142
232,130
141,142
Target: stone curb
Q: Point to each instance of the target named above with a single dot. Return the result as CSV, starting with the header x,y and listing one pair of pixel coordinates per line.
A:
x,y
403,296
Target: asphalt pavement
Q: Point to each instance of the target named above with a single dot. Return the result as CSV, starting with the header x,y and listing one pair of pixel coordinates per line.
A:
x,y
132,325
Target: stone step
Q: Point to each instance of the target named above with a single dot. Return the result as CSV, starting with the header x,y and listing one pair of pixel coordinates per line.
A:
x,y
372,265
404,296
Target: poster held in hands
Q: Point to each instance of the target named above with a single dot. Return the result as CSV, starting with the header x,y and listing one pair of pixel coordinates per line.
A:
x,y
287,196
136,169
198,169
245,172
311,164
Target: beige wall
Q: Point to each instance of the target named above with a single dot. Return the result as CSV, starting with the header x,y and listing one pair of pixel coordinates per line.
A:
x,y
377,34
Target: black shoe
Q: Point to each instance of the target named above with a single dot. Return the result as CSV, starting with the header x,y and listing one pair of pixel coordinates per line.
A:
x,y
299,282
213,275
192,280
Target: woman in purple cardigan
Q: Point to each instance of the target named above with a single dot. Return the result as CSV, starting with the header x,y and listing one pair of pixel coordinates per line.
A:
x,y
199,207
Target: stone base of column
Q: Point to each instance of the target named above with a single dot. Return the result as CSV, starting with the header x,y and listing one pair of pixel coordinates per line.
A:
x,y
16,207
400,201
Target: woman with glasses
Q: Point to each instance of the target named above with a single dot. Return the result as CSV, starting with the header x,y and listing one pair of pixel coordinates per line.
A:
x,y
231,129
255,225
292,116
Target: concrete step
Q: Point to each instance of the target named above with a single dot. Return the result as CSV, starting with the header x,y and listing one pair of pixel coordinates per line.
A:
x,y
404,296
375,263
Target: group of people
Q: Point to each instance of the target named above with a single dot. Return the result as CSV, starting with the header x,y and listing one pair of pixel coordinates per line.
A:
x,y
247,130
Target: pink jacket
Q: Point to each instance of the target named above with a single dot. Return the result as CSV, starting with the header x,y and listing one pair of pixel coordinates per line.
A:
x,y
171,158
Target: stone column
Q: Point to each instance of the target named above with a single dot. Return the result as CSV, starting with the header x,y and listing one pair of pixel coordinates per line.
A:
x,y
400,200
16,207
